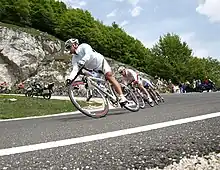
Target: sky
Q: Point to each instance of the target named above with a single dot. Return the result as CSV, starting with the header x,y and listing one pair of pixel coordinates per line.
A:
x,y
196,21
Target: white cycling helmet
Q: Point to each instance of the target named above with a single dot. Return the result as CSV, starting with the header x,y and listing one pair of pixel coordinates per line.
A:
x,y
70,42
120,69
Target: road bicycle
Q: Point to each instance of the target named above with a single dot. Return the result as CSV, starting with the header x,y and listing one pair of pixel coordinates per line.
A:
x,y
139,95
103,91
155,95
142,97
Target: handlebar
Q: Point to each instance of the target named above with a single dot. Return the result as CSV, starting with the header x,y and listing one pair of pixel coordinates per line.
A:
x,y
81,73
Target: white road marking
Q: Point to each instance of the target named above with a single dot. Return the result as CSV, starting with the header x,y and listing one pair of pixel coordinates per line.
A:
x,y
72,141
52,115
38,117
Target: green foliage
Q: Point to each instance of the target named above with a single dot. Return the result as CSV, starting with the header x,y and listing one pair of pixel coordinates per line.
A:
x,y
170,58
17,11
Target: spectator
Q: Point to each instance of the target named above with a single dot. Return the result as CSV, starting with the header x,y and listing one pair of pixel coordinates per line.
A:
x,y
194,84
181,87
20,85
3,85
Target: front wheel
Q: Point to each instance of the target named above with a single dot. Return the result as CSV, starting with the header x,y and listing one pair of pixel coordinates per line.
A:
x,y
160,97
140,99
133,103
47,96
88,101
153,96
146,99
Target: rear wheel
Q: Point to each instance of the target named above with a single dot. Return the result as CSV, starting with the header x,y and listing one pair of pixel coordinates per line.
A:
x,y
47,96
88,104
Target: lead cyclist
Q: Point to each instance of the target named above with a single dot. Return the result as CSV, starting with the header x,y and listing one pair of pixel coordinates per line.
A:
x,y
84,55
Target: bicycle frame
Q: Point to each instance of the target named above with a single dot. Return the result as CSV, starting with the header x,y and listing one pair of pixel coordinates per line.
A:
x,y
94,82
107,93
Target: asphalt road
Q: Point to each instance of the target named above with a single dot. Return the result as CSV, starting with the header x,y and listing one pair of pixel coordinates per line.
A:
x,y
148,148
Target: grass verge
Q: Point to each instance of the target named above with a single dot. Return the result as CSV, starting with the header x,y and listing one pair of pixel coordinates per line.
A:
x,y
25,106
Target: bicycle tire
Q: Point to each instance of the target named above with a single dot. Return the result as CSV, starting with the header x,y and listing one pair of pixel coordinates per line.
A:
x,y
137,108
98,114
153,97
47,96
139,96
160,97
147,100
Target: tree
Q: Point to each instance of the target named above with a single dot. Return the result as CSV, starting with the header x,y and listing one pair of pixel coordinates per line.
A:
x,y
42,15
15,11
172,57
22,11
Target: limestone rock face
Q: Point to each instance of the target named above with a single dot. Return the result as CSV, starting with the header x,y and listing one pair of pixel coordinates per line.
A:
x,y
23,56
27,56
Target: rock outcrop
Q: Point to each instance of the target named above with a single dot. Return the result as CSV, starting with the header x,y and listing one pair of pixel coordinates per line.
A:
x,y
27,54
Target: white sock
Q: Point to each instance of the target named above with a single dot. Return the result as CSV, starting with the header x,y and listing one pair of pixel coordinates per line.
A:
x,y
121,96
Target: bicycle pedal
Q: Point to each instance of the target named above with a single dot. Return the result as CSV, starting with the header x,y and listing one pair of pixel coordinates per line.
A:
x,y
123,104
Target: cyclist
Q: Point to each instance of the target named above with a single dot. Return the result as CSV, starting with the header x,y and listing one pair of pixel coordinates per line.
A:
x,y
130,76
84,55
149,84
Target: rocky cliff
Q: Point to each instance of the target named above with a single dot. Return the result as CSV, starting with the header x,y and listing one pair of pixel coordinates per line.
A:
x,y
27,54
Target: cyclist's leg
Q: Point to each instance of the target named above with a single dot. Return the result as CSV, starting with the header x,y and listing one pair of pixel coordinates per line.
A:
x,y
139,81
144,90
109,76
114,82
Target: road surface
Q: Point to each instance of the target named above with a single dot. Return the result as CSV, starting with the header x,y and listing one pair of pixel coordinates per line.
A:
x,y
186,124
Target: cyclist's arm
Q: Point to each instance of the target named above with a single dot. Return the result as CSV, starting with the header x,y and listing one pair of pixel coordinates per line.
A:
x,y
75,69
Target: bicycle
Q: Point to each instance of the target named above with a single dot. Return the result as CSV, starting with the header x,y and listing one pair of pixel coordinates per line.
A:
x,y
152,95
139,95
103,90
142,97
146,100
155,94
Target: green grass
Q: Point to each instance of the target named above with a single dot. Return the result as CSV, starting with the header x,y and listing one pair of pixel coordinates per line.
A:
x,y
27,106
